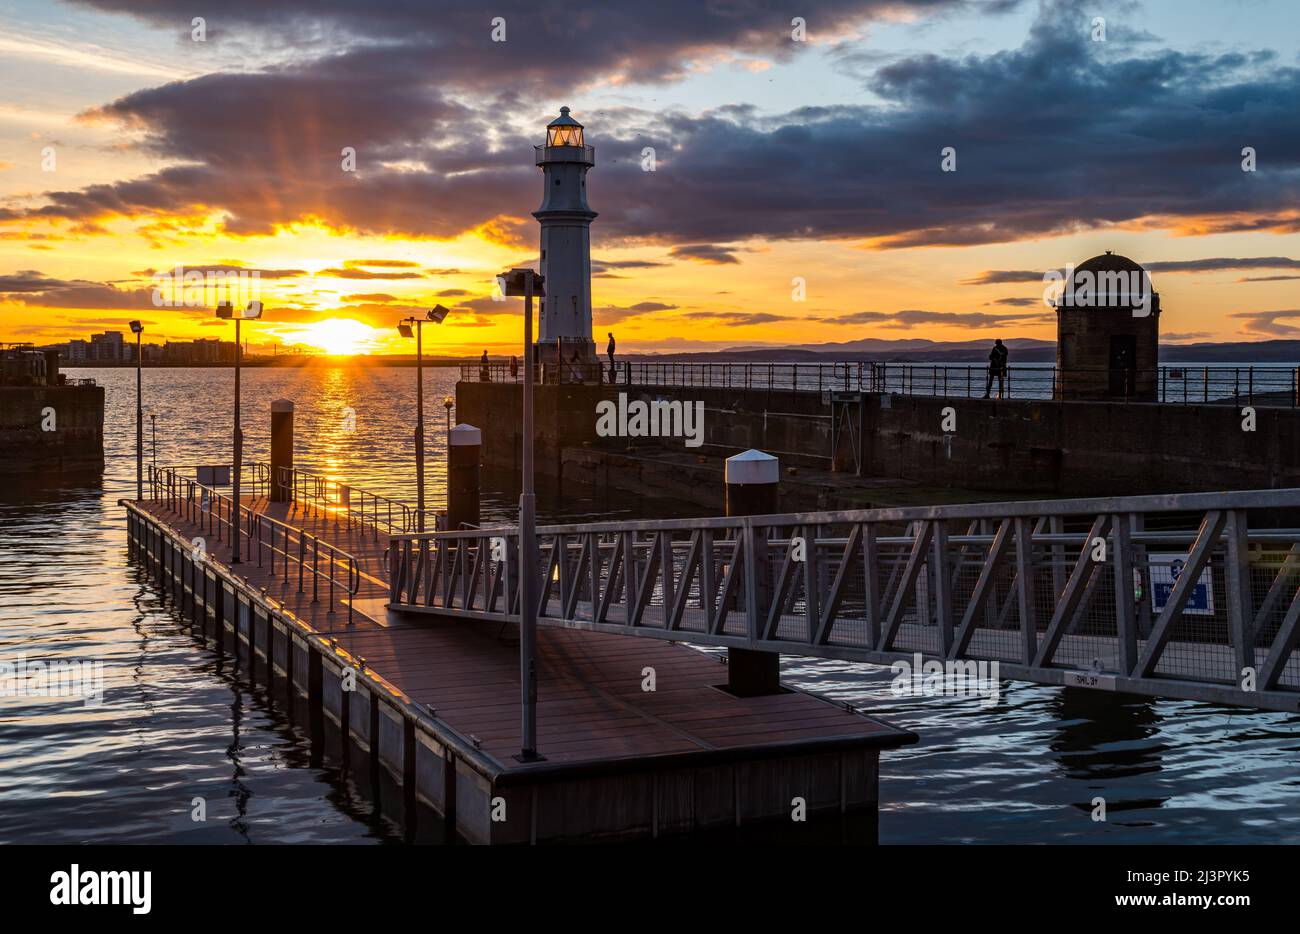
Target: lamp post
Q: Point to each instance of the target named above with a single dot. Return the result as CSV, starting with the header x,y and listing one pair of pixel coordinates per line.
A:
x,y
527,283
448,403
137,328
435,314
226,311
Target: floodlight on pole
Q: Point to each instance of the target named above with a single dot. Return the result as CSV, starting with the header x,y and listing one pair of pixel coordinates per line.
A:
x,y
227,311
137,328
527,283
404,328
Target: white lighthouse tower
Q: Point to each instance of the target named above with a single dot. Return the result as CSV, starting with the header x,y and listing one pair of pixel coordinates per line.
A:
x,y
564,321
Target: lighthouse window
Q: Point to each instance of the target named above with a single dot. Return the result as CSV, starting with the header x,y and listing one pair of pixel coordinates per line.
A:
x,y
564,135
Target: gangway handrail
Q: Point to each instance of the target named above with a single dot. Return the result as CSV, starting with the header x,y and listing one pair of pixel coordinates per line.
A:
x,y
1048,587
328,496
213,510
1156,502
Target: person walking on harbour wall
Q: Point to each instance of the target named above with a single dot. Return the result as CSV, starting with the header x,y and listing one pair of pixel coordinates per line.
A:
x,y
484,371
998,368
609,349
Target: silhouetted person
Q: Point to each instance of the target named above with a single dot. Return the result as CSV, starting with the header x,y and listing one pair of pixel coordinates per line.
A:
x,y
484,371
1124,365
514,367
998,368
609,349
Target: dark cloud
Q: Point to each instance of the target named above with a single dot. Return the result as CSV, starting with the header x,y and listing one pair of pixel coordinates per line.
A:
x,y
1224,262
343,272
737,318
601,265
1214,264
704,253
1271,323
603,269
1017,302
374,297
1005,277
1057,135
30,287
550,47
911,318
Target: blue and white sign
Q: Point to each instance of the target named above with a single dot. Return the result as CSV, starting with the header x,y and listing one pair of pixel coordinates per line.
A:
x,y
1165,571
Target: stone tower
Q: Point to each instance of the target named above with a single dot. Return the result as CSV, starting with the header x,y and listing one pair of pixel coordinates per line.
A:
x,y
1107,331
564,321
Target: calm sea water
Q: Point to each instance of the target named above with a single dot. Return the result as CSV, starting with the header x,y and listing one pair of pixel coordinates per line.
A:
x,y
175,724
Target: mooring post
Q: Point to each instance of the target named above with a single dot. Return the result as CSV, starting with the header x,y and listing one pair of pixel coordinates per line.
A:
x,y
282,450
464,446
753,483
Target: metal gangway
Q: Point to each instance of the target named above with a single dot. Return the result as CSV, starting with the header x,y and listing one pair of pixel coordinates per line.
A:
x,y
1189,595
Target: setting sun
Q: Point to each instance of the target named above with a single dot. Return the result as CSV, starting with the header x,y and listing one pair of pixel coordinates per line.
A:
x,y
340,336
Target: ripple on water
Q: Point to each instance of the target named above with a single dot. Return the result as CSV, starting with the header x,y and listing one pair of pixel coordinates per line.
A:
x,y
177,725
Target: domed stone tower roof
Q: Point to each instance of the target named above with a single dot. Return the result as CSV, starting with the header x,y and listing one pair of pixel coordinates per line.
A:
x,y
1110,280
1109,262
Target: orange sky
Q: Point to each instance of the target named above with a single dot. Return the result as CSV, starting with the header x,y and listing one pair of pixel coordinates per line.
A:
x,y
336,287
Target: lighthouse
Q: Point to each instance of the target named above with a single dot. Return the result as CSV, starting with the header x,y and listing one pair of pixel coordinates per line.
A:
x,y
564,321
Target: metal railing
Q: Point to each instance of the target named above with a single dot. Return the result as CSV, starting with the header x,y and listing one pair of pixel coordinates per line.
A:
x,y
1204,385
297,553
350,505
1161,595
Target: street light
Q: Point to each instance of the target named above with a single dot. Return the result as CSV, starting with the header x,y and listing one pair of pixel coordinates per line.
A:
x,y
434,314
227,311
448,403
527,283
137,328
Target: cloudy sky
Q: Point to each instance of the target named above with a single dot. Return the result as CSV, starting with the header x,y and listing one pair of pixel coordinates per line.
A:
x,y
782,154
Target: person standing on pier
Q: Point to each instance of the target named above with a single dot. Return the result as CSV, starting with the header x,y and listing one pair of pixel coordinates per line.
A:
x,y
514,368
997,367
609,349
484,372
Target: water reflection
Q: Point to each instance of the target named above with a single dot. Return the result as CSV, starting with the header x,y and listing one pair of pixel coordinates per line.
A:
x,y
181,720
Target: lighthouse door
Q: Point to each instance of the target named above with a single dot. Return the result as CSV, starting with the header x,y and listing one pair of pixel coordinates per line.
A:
x,y
1123,363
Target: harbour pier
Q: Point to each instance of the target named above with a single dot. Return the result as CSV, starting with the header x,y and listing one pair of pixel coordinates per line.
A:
x,y
436,702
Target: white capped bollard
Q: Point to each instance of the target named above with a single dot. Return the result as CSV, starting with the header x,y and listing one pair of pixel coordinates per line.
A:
x,y
753,480
464,447
753,484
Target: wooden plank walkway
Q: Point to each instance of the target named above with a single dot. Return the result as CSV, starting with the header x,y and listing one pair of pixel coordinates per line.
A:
x,y
591,706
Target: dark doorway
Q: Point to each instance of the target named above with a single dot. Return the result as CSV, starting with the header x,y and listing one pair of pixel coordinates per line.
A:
x,y
1123,364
